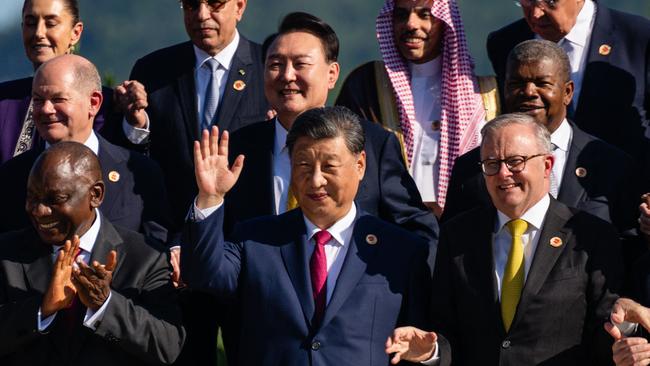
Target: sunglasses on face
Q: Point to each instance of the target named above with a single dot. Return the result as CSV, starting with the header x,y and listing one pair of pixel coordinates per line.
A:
x,y
213,5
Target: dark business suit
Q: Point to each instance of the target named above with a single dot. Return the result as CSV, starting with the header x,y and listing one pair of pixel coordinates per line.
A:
x,y
266,272
608,189
141,323
136,201
610,104
567,296
14,102
168,76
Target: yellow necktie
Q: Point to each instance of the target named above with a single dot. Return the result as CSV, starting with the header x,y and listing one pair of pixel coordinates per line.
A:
x,y
291,201
513,275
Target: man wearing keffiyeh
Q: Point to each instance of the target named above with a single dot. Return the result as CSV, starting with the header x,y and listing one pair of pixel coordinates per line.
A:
x,y
425,90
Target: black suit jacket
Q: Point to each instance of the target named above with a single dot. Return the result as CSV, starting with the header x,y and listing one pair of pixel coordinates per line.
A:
x,y
608,190
137,201
610,105
141,324
567,296
168,76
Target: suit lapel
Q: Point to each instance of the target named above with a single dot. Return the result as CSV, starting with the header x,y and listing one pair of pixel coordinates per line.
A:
x,y
571,191
38,270
239,74
187,94
296,260
545,254
266,148
110,161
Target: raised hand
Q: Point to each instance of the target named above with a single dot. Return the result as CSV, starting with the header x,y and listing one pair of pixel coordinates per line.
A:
x,y
61,291
94,282
131,99
411,344
214,176
627,310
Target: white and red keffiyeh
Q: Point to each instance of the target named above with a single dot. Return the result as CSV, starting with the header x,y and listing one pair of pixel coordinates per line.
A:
x,y
462,109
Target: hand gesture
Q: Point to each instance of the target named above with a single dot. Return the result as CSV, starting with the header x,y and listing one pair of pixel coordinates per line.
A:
x,y
61,292
94,282
175,261
213,175
626,310
131,100
411,344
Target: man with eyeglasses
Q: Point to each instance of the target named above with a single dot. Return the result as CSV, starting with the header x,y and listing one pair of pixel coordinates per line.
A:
x,y
528,281
607,51
214,79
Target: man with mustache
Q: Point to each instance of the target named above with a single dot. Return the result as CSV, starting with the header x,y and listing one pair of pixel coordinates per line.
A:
x,y
424,90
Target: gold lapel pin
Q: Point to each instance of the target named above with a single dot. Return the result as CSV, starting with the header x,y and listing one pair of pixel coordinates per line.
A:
x,y
371,239
242,72
113,176
555,242
239,85
605,49
581,172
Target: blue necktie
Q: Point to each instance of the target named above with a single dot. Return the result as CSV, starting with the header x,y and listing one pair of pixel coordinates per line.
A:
x,y
211,95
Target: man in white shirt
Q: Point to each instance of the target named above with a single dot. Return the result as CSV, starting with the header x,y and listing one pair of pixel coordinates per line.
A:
x,y
323,284
526,282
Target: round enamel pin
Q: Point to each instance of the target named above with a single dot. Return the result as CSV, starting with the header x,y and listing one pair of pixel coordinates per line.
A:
x,y
371,239
239,85
555,242
581,172
605,49
113,176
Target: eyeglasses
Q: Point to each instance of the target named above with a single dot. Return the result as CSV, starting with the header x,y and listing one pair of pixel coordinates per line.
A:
x,y
515,164
544,4
213,5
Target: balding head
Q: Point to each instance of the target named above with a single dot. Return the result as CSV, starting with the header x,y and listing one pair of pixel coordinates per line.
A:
x,y
64,188
66,96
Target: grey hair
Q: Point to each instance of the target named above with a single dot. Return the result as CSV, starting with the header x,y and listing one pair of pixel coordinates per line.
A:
x,y
535,50
87,76
328,122
542,135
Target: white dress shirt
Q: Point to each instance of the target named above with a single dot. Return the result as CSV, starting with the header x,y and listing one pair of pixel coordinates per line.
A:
x,y
92,142
561,138
281,168
426,81
201,79
86,244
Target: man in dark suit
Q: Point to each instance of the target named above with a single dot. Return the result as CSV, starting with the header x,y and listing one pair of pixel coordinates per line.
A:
x,y
74,289
66,98
326,288
589,174
185,95
608,56
526,282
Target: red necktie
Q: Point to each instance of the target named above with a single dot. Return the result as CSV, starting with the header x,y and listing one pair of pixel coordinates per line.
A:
x,y
318,270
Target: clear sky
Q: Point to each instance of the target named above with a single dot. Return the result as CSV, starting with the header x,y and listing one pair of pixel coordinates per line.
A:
x,y
10,13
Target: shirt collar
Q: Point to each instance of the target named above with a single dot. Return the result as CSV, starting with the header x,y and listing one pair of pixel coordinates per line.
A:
x,y
280,137
87,240
561,137
341,231
580,32
92,143
428,69
534,216
224,57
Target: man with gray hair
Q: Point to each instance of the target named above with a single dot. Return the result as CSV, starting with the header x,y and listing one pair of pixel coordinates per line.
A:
x,y
66,96
320,270
528,281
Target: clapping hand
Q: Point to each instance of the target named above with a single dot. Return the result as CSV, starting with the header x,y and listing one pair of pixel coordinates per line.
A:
x,y
93,282
61,291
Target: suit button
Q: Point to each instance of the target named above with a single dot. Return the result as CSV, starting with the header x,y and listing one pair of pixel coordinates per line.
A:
x,y
505,344
315,345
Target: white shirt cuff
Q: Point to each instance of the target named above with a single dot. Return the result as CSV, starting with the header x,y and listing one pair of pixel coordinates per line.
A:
x,y
435,358
136,135
202,214
93,318
43,324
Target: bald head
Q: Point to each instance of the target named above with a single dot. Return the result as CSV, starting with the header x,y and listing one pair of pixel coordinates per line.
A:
x,y
81,72
75,159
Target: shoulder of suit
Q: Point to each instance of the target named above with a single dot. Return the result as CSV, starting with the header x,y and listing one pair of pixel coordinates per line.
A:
x,y
364,72
395,235
136,242
168,53
17,88
137,162
511,30
629,21
374,130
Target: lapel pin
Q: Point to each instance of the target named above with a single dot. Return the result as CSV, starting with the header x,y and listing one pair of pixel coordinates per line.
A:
x,y
113,176
581,172
242,72
605,49
239,85
371,239
555,242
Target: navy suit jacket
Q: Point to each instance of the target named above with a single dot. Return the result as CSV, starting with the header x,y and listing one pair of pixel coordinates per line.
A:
x,y
386,191
168,76
611,103
137,201
14,102
608,190
266,271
